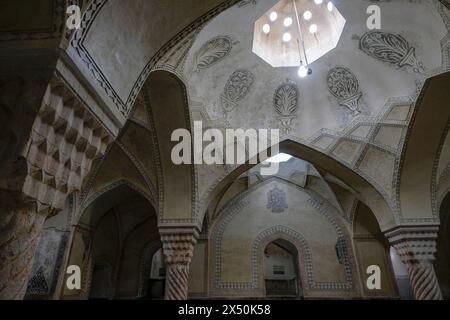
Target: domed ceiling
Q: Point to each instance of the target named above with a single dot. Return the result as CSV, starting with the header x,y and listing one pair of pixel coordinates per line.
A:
x,y
356,105
354,80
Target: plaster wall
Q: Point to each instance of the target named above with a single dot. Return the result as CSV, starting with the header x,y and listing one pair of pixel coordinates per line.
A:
x,y
234,260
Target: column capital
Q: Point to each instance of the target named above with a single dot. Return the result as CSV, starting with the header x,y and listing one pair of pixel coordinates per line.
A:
x,y
416,246
178,244
414,243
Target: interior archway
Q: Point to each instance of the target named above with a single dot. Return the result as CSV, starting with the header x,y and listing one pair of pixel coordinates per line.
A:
x,y
425,140
295,205
113,231
361,187
167,98
87,119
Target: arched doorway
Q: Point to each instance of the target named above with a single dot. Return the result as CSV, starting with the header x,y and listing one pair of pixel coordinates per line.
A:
x,y
157,279
281,271
153,278
442,263
109,241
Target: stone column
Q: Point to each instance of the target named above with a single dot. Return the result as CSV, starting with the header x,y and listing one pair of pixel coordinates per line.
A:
x,y
43,159
20,227
178,249
416,247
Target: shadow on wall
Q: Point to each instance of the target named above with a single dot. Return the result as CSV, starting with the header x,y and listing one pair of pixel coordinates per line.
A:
x,y
442,263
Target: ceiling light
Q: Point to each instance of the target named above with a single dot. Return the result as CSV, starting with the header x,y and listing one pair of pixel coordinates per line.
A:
x,y
273,16
307,15
330,6
305,30
313,28
287,37
288,22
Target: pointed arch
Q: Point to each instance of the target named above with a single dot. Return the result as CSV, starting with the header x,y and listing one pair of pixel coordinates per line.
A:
x,y
169,111
416,178
364,190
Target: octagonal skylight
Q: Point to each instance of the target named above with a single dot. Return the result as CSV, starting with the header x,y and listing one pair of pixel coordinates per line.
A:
x,y
296,32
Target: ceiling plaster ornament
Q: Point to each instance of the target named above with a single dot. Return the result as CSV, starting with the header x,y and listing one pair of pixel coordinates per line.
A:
x,y
391,48
344,85
286,105
213,52
236,89
276,200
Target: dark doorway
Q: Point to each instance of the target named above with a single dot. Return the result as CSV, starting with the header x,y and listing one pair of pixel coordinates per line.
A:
x,y
281,271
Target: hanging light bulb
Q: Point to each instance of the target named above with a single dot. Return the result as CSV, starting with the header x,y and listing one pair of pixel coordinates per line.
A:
x,y
318,1
266,28
303,71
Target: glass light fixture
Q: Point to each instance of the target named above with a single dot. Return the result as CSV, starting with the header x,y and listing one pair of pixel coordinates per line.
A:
x,y
288,22
273,16
310,33
330,6
287,37
307,15
313,28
